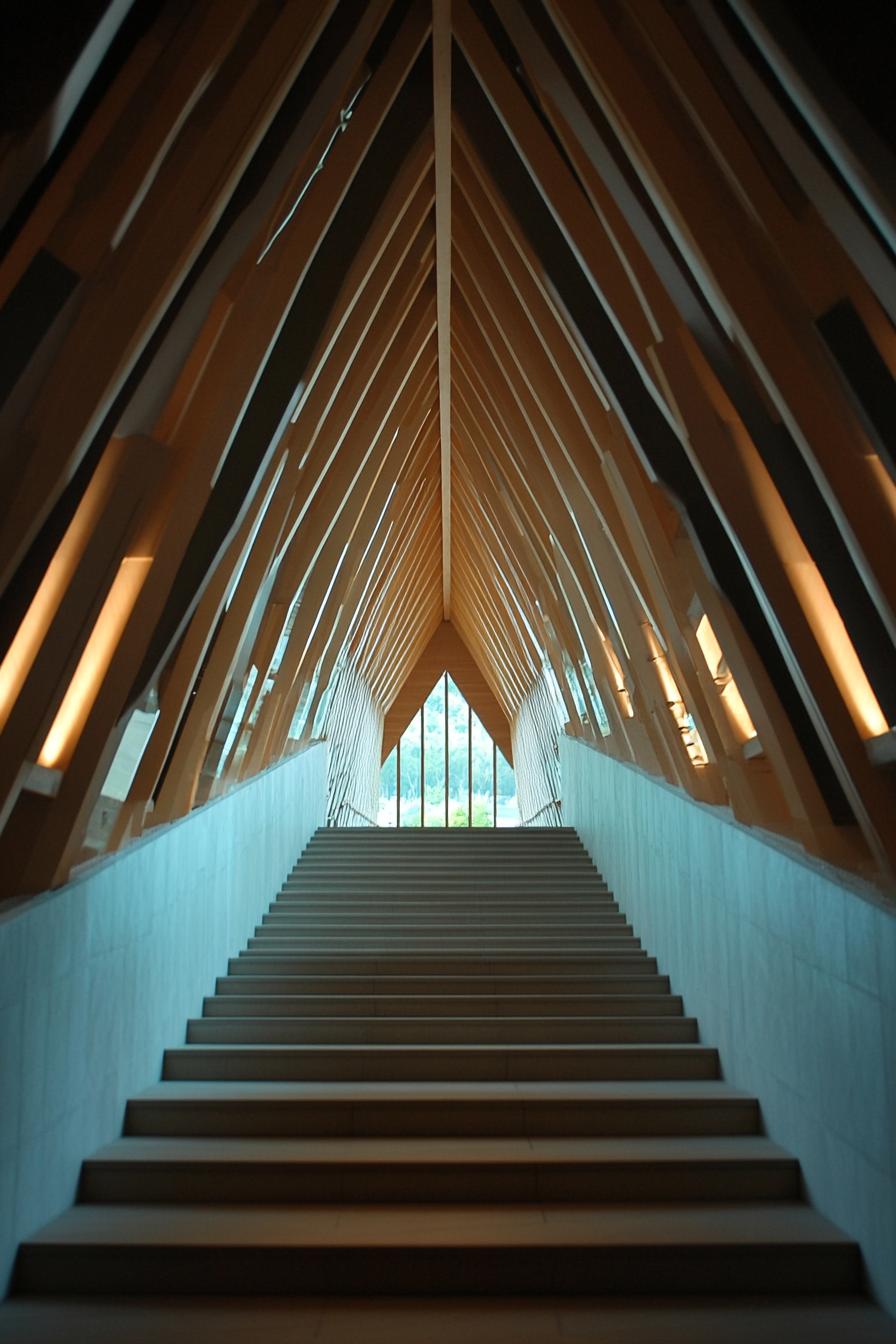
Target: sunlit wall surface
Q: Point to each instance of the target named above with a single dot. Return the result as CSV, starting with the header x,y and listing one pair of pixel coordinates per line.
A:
x,y
464,781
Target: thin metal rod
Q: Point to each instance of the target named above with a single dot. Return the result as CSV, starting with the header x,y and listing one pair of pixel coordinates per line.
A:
x,y
423,764
447,778
398,784
345,116
494,783
469,765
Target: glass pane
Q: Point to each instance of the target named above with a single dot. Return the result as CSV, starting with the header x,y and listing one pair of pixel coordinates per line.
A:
x,y
386,813
410,773
508,811
573,683
482,776
457,756
434,730
603,722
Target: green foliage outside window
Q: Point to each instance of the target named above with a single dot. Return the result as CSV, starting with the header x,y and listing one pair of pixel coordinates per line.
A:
x,y
458,768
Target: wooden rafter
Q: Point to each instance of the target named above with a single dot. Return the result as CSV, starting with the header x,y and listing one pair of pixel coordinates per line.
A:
x,y
556,371
441,83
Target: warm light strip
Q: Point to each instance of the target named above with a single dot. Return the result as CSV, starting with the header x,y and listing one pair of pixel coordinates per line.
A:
x,y
709,645
28,638
94,662
679,710
738,714
30,635
885,482
837,648
616,673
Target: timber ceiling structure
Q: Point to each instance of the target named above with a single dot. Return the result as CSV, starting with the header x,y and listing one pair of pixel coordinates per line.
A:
x,y
551,341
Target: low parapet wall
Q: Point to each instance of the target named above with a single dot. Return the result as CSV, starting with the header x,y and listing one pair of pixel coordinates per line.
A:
x,y
790,969
99,976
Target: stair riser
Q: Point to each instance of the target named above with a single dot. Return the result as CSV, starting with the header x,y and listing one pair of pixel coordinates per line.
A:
x,y
499,886
415,1118
407,854
422,1270
477,915
519,835
277,963
475,986
230,1005
404,985
285,943
477,941
440,1064
292,930
403,908
549,837
421,1183
484,894
283,921
462,1031
482,874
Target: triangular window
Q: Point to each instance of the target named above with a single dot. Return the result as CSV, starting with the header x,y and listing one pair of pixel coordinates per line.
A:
x,y
478,788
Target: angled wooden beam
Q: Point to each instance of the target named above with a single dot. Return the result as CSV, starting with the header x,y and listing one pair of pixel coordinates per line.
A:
x,y
386,625
392,625
583,230
413,506
747,285
441,85
559,494
409,500
136,281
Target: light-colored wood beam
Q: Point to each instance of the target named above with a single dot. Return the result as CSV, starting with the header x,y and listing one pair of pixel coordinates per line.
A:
x,y
441,87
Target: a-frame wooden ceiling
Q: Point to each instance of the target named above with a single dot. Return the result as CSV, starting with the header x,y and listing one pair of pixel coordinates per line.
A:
x,y
331,321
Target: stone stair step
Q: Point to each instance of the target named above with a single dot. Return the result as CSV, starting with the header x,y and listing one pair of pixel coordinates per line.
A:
x,y
483,922
473,985
386,963
536,1249
185,1319
445,1064
558,1108
402,906
431,888
274,1005
447,868
466,1170
477,985
606,941
439,1030
440,1062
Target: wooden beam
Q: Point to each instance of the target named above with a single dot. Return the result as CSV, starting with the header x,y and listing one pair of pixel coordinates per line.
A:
x,y
441,85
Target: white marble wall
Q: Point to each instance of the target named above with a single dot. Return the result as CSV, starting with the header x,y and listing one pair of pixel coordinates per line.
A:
x,y
98,977
790,970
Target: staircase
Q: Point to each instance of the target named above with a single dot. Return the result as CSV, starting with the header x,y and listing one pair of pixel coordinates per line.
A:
x,y
444,1068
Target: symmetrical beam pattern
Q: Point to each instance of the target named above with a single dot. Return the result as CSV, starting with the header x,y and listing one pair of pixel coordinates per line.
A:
x,y
351,342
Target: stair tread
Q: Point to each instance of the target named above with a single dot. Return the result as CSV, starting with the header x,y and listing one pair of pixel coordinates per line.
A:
x,y
382,1007
407,958
406,1150
269,1162
184,1319
560,1046
463,1226
398,983
695,1091
487,1020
